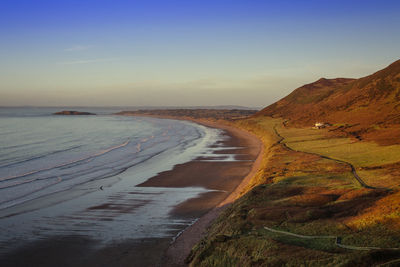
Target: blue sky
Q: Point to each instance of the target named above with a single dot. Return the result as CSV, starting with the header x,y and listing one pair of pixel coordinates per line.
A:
x,y
186,52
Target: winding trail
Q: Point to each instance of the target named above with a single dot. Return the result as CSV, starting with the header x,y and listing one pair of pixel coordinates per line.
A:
x,y
353,169
338,239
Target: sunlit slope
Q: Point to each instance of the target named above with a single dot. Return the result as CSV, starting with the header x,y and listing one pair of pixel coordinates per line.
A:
x,y
303,203
368,108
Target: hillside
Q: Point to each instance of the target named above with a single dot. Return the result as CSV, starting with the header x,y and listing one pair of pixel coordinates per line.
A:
x,y
367,108
326,197
316,200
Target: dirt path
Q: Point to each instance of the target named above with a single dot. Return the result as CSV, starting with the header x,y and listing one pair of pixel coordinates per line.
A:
x,y
353,169
338,239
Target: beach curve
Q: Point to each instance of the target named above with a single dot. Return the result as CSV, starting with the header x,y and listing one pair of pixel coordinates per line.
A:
x,y
180,249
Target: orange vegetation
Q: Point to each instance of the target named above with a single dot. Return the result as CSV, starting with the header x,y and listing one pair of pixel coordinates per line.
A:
x,y
367,108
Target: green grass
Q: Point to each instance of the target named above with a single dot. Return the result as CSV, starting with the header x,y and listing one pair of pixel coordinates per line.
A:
x,y
332,181
322,244
303,196
360,154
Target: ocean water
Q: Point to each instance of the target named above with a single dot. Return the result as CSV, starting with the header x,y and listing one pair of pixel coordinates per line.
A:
x,y
57,169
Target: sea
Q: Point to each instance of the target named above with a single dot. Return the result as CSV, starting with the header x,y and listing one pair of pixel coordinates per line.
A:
x,y
71,175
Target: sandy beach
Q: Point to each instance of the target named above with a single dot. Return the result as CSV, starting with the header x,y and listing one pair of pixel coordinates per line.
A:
x,y
178,251
224,178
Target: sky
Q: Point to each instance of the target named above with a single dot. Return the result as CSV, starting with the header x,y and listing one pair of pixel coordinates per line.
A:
x,y
184,53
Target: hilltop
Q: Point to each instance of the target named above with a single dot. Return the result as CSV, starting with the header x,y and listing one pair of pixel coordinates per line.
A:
x,y
367,108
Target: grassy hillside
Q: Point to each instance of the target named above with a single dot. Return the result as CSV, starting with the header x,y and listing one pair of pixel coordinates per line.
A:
x,y
368,108
307,187
326,197
322,197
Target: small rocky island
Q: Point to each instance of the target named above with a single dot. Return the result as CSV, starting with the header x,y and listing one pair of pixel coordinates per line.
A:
x,y
73,112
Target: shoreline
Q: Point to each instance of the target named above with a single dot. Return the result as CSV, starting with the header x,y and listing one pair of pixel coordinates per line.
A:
x,y
180,248
224,180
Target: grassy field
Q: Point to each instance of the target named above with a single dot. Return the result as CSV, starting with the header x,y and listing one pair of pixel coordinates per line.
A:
x,y
306,194
368,158
360,154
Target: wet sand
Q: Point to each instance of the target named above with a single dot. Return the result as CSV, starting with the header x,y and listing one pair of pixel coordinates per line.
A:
x,y
68,251
179,250
221,177
229,178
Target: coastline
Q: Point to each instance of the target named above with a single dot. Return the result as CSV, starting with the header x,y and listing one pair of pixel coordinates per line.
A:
x,y
225,180
180,249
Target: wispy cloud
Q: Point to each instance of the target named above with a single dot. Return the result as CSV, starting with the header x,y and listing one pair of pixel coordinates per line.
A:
x,y
76,48
87,61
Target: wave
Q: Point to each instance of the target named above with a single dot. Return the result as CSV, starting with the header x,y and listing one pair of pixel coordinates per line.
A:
x,y
63,173
25,144
94,173
67,163
101,168
39,156
4,203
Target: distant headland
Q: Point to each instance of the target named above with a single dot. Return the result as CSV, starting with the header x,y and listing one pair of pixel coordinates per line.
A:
x,y
72,112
